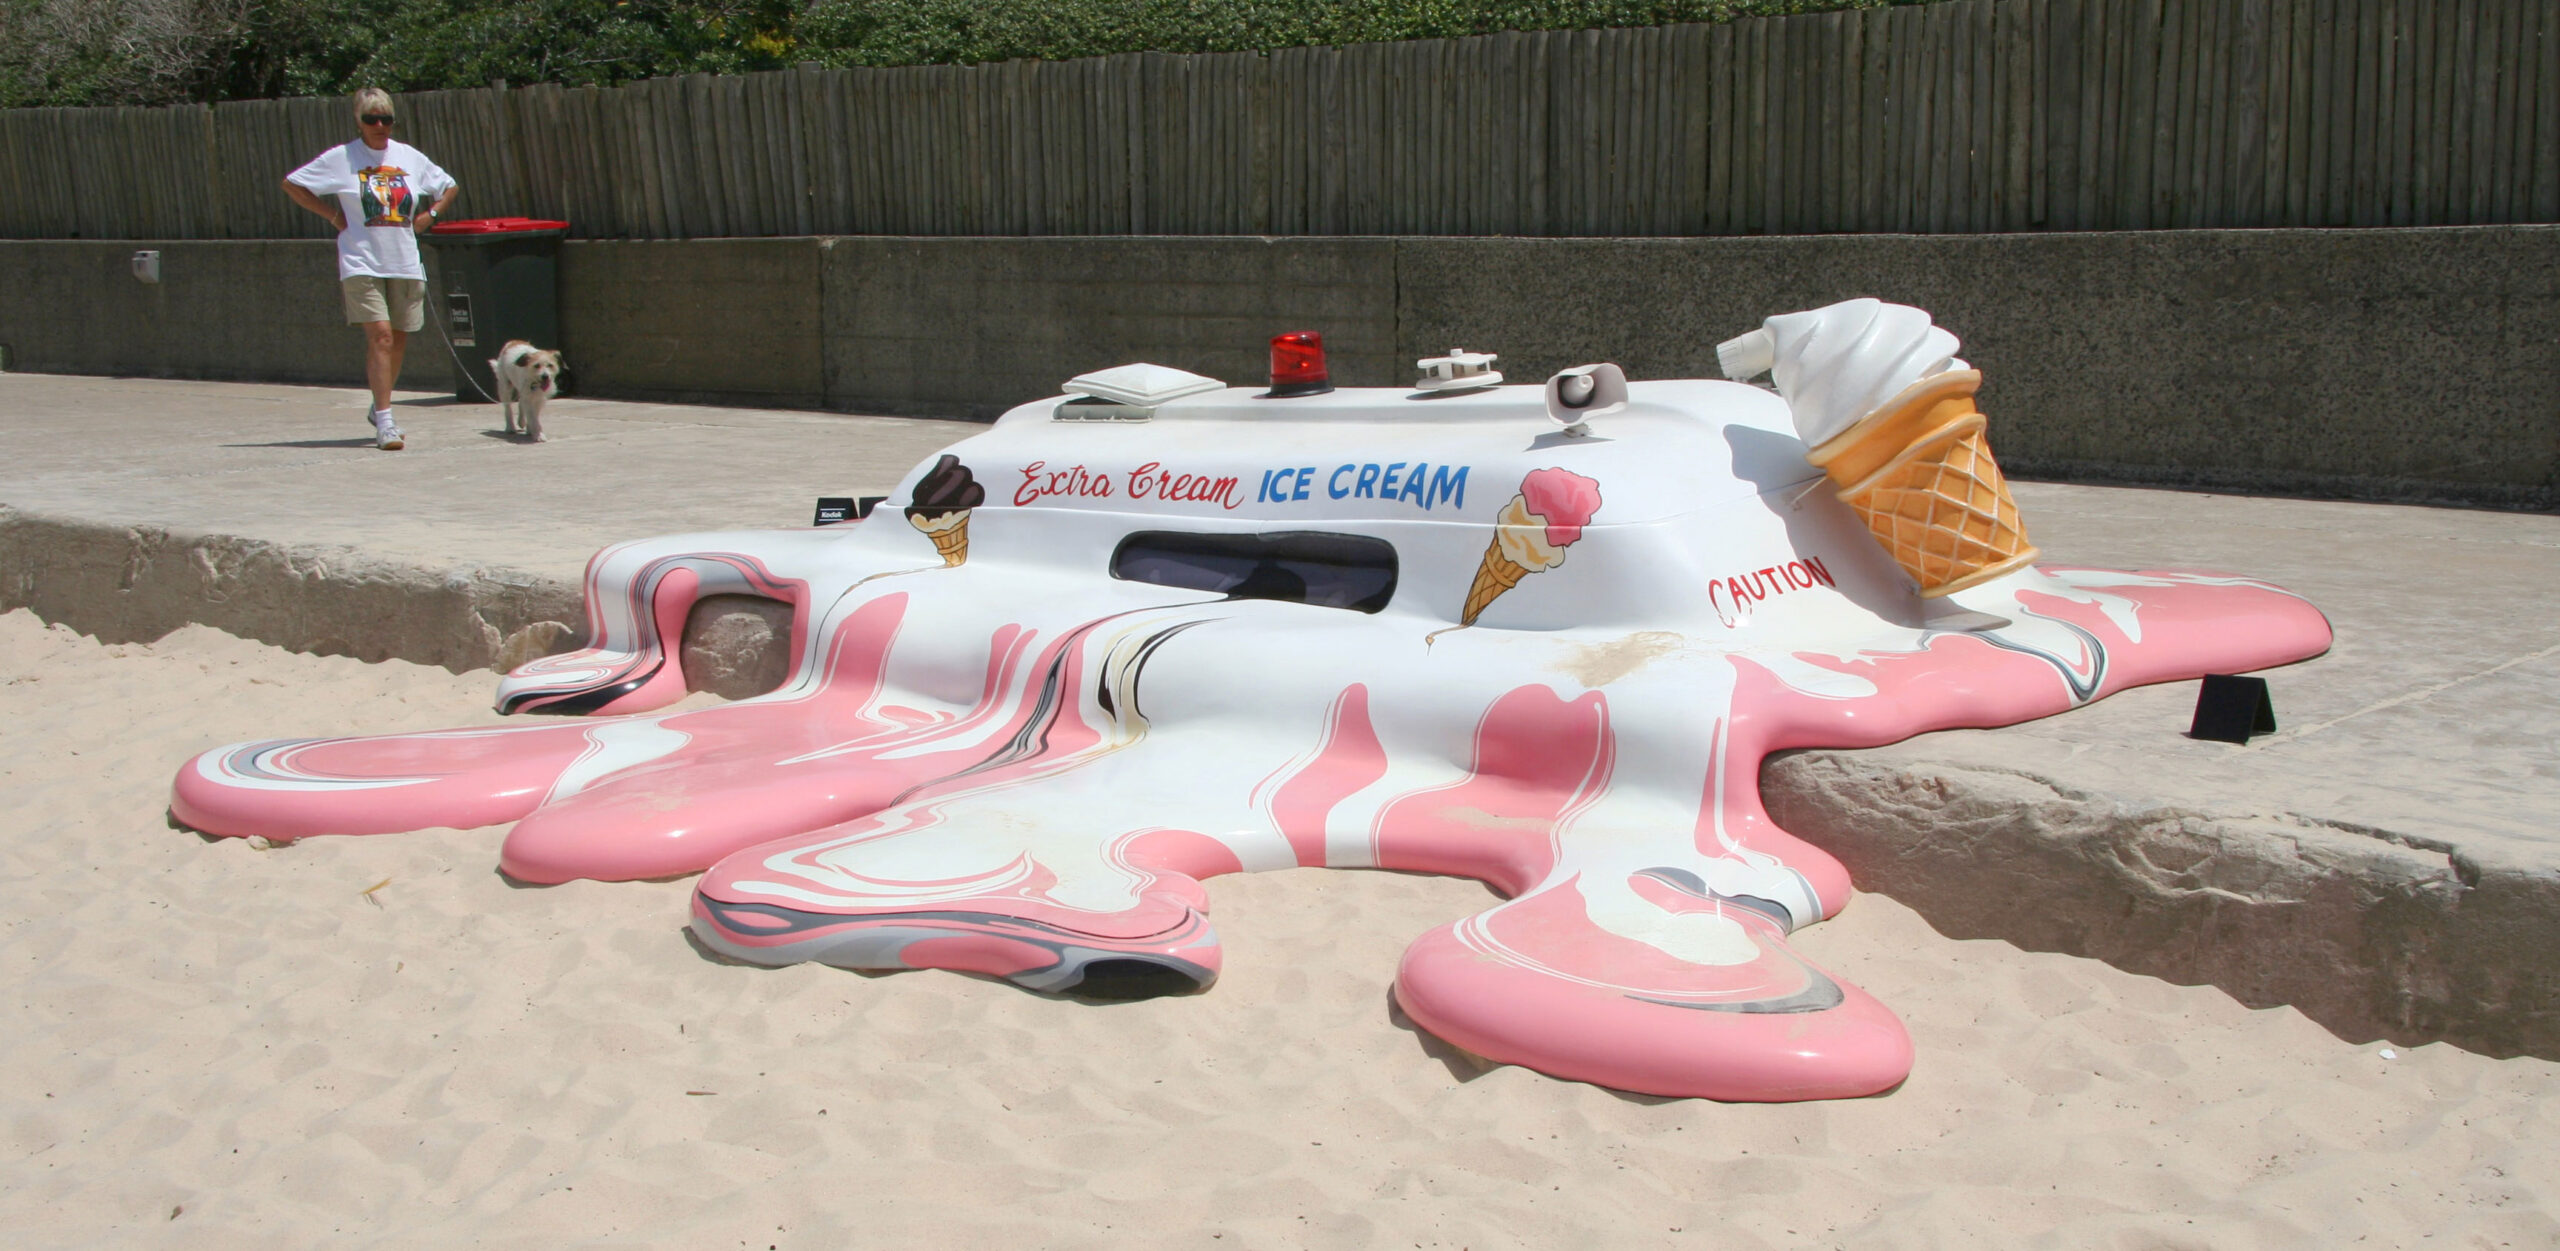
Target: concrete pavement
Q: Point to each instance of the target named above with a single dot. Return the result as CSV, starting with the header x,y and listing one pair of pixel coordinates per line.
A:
x,y
2388,861
135,506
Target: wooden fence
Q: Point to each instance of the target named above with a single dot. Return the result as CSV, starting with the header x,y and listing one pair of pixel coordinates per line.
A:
x,y
1967,116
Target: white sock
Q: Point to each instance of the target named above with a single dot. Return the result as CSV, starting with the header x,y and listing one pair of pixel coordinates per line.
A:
x,y
382,417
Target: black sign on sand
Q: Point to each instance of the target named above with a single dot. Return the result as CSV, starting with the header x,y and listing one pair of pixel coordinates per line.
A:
x,y
2230,709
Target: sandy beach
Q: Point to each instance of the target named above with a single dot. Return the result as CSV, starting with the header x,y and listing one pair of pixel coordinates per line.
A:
x,y
382,1041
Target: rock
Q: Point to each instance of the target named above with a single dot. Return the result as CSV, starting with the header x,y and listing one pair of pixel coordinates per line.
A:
x,y
736,646
2370,933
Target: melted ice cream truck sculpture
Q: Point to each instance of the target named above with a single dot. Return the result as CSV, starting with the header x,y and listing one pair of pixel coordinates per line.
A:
x,y
1160,629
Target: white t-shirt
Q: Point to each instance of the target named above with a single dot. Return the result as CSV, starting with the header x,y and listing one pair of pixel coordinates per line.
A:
x,y
379,193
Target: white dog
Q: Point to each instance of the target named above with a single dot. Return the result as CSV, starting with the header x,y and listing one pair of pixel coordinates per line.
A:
x,y
526,375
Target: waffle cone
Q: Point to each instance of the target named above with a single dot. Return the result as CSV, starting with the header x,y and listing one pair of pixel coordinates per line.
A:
x,y
1497,574
1920,473
952,543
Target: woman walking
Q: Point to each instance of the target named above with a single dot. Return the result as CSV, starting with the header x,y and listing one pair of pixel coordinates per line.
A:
x,y
380,193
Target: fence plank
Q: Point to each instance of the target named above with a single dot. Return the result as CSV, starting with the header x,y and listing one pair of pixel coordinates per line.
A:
x,y
2372,114
2102,47
17,202
648,121
2426,114
1752,159
1810,136
2244,131
2316,93
2220,32
1867,60
2525,64
17,216
1497,160
2394,135
1989,86
904,184
2013,93
2196,110
1657,152
655,111
741,135
756,134
2512,104
2546,121
1900,176
2477,90
2372,88
1930,139
2275,114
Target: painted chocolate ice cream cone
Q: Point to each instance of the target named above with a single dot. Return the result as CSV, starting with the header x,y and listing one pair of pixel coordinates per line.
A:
x,y
940,507
1546,517
949,532
1887,412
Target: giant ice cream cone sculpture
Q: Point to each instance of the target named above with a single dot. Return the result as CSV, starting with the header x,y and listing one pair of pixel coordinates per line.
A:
x,y
1920,473
1546,517
940,507
1887,413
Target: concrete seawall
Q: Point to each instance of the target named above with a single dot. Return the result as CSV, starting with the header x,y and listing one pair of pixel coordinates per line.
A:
x,y
2384,364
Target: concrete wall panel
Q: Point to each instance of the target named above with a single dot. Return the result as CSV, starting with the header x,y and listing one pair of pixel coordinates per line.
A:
x,y
951,327
263,311
730,321
2396,363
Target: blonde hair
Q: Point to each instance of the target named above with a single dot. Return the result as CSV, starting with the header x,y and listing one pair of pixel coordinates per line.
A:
x,y
373,100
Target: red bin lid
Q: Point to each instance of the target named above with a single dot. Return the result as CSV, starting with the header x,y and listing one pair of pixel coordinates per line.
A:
x,y
495,226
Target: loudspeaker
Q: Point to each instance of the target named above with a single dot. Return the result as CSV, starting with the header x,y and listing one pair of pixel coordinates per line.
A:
x,y
1577,395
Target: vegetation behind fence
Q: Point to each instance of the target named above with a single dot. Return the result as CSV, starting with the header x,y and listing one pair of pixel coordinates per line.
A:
x,y
1969,116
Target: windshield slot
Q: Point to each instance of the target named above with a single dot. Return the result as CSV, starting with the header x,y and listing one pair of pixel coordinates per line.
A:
x,y
1313,567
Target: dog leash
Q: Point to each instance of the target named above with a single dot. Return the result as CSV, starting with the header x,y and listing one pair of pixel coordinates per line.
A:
x,y
456,354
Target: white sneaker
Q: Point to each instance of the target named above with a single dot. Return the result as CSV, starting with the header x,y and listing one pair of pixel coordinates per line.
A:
x,y
386,432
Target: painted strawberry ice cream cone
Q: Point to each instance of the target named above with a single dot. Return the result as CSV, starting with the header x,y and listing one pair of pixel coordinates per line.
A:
x,y
940,507
1546,517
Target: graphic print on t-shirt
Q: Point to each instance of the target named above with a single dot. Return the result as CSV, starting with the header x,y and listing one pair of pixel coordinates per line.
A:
x,y
385,191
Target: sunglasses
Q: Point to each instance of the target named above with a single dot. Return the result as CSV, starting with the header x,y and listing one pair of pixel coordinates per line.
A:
x,y
377,119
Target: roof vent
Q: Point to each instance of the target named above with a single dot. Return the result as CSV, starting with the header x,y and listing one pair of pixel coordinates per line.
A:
x,y
1460,370
1141,385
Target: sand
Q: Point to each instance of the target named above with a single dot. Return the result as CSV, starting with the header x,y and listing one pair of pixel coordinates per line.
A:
x,y
381,1041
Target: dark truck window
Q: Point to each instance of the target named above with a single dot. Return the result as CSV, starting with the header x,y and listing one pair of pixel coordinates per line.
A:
x,y
1300,566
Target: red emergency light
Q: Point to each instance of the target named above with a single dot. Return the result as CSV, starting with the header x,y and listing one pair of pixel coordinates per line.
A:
x,y
1297,365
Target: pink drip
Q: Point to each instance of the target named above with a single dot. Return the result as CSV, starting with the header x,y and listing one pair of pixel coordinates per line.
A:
x,y
1537,757
1350,760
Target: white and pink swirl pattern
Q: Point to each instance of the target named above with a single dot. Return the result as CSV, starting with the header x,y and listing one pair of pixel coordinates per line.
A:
x,y
1027,764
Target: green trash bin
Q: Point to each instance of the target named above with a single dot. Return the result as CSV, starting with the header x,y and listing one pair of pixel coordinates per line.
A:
x,y
498,278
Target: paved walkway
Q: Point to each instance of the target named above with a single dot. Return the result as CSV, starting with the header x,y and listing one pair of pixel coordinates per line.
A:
x,y
2378,861
297,465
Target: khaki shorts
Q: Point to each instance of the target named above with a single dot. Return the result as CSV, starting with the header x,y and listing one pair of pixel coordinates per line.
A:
x,y
400,301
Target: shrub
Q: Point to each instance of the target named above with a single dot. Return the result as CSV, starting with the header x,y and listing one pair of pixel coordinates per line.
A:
x,y
76,52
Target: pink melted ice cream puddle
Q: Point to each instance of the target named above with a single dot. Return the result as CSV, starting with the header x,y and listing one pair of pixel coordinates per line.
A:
x,y
1027,764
